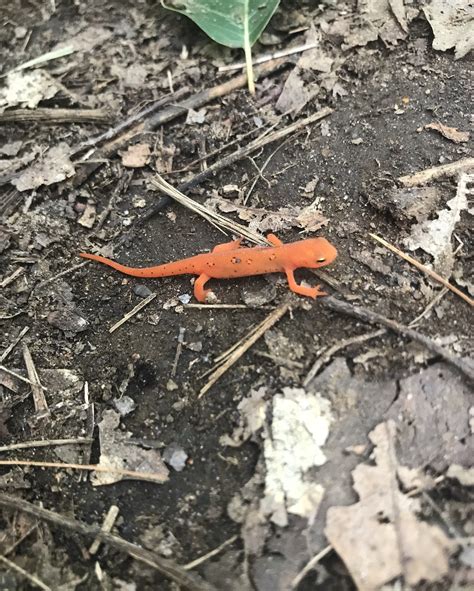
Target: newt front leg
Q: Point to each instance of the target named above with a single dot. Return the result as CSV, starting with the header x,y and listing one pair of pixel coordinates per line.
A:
x,y
312,292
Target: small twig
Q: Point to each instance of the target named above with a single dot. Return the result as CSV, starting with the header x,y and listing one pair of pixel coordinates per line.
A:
x,y
21,571
309,566
55,116
19,377
433,303
12,345
280,360
39,399
271,56
164,566
107,526
211,554
425,269
252,338
148,476
11,278
374,318
430,174
240,154
170,113
45,443
132,313
260,170
62,274
222,306
179,349
123,125
327,355
120,187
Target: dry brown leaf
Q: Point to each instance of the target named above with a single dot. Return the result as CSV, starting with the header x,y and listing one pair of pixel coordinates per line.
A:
x,y
450,133
307,218
136,156
380,537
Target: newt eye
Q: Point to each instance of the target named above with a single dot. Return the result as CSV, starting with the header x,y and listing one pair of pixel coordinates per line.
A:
x,y
321,260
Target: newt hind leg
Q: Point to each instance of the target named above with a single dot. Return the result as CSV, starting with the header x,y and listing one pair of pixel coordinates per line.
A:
x,y
199,292
227,246
312,292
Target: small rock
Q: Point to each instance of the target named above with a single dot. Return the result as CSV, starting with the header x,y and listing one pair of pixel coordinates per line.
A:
x,y
171,385
125,405
67,321
185,298
142,291
175,456
255,298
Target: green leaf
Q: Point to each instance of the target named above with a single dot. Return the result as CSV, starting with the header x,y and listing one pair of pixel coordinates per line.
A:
x,y
234,23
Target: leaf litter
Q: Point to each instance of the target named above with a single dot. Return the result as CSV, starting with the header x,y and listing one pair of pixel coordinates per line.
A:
x,y
381,536
435,236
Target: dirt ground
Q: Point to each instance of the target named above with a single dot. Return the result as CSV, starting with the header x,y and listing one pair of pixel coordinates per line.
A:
x,y
134,391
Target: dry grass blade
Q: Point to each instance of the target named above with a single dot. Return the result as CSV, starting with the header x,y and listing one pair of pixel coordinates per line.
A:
x,y
236,352
41,406
132,313
425,269
216,219
148,476
436,172
21,571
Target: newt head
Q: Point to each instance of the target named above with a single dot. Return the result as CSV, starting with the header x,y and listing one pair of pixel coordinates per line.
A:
x,y
314,253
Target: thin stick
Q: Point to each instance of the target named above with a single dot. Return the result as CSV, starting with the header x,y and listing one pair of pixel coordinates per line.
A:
x,y
425,269
239,154
165,567
253,337
466,367
222,306
309,566
148,476
12,345
326,356
31,578
269,56
11,278
19,377
433,303
55,116
211,216
170,113
62,274
45,443
179,349
430,174
39,399
132,313
210,554
107,526
134,118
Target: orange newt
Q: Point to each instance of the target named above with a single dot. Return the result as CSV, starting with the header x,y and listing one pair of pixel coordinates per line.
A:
x,y
231,260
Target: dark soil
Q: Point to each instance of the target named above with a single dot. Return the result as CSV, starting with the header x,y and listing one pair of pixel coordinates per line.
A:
x,y
391,96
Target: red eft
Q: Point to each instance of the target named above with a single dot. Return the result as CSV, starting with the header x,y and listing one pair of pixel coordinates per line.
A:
x,y
231,260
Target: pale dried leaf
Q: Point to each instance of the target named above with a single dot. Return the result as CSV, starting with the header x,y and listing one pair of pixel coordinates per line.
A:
x,y
27,89
450,133
136,156
452,23
299,429
53,167
117,454
380,537
434,236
